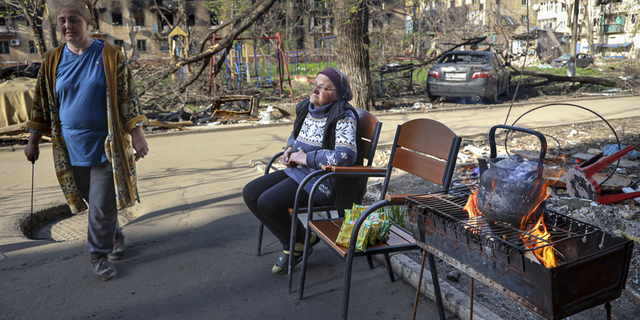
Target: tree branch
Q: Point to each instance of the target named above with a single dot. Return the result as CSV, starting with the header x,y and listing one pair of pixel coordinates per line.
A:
x,y
250,15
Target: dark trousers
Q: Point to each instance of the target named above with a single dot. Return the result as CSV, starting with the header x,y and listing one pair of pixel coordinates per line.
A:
x,y
96,186
269,199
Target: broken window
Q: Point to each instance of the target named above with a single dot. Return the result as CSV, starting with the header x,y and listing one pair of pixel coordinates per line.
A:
x,y
142,45
191,19
525,2
4,47
524,19
116,18
139,19
163,45
119,43
32,47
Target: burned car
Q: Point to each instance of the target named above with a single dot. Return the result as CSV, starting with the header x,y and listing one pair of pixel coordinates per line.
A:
x,y
468,74
582,61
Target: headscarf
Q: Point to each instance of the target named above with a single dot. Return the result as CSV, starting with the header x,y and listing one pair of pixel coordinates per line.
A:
x,y
340,82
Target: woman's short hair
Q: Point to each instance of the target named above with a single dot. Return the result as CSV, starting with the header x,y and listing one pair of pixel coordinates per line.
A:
x,y
340,81
83,7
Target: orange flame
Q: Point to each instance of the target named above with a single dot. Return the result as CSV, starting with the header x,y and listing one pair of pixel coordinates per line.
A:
x,y
471,206
544,255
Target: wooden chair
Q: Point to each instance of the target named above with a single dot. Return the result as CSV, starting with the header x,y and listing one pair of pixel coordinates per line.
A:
x,y
370,128
422,147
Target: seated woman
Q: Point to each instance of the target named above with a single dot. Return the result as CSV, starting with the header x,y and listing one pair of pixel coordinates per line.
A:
x,y
324,133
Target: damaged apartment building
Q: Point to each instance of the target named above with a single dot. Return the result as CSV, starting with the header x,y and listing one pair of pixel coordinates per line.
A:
x,y
141,25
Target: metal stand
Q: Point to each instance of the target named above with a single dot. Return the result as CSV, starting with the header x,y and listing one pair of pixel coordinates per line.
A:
x,y
471,303
436,284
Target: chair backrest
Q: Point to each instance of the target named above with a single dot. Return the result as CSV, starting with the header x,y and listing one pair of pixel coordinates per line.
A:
x,y
370,128
425,148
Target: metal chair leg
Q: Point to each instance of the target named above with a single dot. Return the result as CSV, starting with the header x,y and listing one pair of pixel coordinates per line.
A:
x,y
305,258
260,231
436,285
370,261
415,303
347,285
387,260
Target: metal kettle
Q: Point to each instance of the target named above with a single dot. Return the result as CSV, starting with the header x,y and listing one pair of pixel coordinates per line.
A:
x,y
512,190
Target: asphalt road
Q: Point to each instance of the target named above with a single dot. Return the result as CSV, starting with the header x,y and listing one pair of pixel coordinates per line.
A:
x,y
191,250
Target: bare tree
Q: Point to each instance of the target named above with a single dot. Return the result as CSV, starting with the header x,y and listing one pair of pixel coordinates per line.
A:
x,y
241,22
34,12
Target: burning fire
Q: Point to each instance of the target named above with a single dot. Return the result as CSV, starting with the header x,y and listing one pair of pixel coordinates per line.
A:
x,y
471,206
544,255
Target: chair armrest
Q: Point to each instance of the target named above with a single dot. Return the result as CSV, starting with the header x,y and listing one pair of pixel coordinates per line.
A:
x,y
267,168
368,169
399,197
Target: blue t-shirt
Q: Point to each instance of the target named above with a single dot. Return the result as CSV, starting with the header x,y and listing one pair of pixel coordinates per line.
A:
x,y
81,89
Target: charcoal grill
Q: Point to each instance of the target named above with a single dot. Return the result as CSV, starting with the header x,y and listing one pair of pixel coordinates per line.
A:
x,y
592,265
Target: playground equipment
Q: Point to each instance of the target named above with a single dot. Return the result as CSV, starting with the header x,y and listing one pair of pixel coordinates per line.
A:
x,y
294,58
239,62
324,43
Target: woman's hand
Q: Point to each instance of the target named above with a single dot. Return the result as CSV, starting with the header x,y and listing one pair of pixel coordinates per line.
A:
x,y
32,150
299,157
286,157
138,142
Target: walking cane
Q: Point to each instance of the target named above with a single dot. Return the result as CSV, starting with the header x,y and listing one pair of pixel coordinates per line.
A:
x,y
33,164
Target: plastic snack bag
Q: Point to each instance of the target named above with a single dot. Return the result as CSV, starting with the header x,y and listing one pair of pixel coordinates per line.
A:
x,y
375,229
344,235
363,236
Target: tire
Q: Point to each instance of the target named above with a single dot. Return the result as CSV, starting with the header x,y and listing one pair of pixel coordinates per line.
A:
x,y
495,94
506,90
432,98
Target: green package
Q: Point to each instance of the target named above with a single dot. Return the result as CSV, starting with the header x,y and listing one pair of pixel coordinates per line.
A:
x,y
363,236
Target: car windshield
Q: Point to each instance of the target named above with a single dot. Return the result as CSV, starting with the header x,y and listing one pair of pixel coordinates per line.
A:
x,y
465,58
564,56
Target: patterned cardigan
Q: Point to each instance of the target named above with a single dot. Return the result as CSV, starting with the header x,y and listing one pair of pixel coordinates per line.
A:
x,y
122,117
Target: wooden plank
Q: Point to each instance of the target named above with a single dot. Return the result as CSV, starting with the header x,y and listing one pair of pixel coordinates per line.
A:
x,y
329,229
419,165
14,128
397,197
426,136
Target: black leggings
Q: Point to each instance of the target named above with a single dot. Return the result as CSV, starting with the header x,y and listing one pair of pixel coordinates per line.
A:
x,y
269,199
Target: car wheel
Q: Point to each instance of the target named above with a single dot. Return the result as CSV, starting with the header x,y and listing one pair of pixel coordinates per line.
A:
x,y
506,90
495,94
432,98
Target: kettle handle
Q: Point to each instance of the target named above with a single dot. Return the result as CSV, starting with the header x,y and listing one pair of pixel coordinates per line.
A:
x,y
540,136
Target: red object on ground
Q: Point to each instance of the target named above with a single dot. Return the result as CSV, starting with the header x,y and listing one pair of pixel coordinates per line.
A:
x,y
580,182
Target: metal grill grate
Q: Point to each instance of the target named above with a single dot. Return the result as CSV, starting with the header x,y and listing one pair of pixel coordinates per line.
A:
x,y
447,207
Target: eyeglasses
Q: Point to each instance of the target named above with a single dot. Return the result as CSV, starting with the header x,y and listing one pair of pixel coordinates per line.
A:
x,y
321,88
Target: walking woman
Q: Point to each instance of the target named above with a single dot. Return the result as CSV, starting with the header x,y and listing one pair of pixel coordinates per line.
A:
x,y
324,133
86,102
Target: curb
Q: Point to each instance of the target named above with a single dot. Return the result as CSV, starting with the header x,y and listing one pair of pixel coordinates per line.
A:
x,y
453,299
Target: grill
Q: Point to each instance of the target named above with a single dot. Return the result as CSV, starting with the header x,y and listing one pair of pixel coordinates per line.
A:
x,y
591,270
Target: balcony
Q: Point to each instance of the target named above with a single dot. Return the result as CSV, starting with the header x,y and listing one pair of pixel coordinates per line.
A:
x,y
612,28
